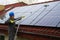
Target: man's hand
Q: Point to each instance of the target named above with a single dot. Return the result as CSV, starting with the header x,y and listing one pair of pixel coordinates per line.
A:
x,y
22,17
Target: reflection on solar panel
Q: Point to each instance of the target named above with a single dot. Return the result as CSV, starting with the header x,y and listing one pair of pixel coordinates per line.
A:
x,y
47,14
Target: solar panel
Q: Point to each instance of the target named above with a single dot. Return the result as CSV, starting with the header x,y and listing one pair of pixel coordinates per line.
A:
x,y
34,19
47,14
44,12
46,22
50,19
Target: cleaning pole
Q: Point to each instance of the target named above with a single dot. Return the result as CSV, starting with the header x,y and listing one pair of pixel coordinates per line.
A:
x,y
15,38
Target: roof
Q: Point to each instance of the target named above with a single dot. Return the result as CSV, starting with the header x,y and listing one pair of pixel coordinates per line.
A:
x,y
31,13
39,31
38,15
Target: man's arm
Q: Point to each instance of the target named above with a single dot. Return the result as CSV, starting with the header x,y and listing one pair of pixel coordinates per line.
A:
x,y
19,18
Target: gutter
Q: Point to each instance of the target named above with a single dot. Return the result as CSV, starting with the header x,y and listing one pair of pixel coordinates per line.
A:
x,y
39,34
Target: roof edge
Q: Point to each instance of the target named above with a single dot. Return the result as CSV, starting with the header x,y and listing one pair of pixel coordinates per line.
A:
x,y
41,3
32,25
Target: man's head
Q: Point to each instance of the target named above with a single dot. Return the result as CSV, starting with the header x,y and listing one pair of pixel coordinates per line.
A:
x,y
11,14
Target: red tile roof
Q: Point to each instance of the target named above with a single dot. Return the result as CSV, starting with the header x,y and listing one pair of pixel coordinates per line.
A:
x,y
47,31
16,5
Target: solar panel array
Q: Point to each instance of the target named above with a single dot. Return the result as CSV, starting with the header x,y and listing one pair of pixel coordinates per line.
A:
x,y
47,14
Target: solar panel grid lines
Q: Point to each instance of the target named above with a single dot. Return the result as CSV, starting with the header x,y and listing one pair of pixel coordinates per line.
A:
x,y
33,16
30,17
47,13
58,12
50,20
38,15
57,16
32,13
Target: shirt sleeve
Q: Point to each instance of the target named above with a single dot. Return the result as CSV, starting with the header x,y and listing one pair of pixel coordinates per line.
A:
x,y
17,19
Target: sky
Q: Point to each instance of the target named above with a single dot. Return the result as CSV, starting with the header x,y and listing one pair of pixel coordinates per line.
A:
x,y
2,2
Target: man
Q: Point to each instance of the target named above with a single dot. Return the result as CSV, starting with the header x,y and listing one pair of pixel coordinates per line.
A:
x,y
11,25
